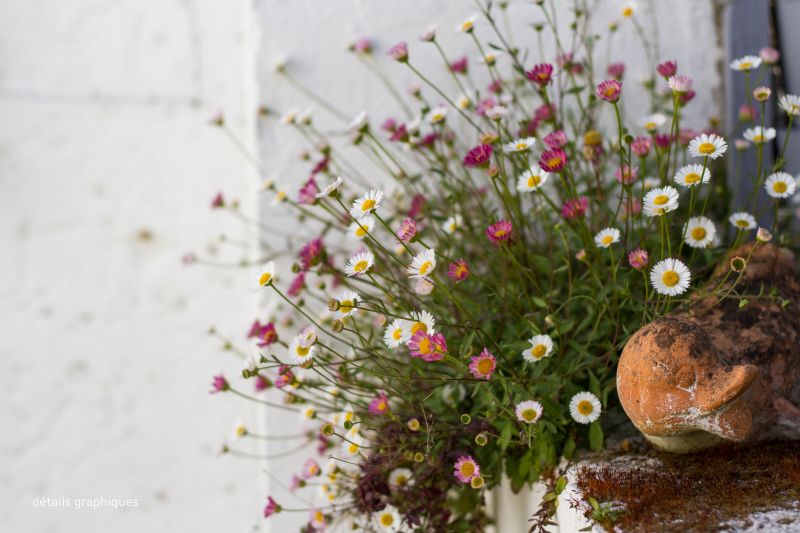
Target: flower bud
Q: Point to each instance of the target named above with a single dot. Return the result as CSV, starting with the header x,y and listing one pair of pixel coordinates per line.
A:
x,y
481,439
763,235
466,419
333,304
327,429
337,326
476,482
413,424
419,457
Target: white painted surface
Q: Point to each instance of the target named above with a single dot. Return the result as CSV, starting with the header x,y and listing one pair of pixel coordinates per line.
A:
x,y
104,363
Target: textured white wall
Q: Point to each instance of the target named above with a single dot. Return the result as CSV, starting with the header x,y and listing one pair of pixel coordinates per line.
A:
x,y
105,364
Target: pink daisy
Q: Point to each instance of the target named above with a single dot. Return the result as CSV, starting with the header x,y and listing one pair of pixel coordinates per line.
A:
x,y
667,69
459,66
499,232
553,160
399,52
540,74
261,383
616,70
638,258
311,254
408,228
609,90
427,347
271,508
466,468
310,469
478,156
626,175
458,271
641,146
555,140
219,384
308,192
575,208
285,376
297,284
379,404
483,365
218,201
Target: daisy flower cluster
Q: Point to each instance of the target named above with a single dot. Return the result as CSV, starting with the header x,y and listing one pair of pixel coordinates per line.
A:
x,y
466,268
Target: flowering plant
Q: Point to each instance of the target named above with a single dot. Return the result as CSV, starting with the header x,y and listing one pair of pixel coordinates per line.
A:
x,y
460,320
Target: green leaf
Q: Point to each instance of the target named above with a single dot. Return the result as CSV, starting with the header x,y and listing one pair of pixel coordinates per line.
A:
x,y
561,484
596,436
505,435
569,448
539,302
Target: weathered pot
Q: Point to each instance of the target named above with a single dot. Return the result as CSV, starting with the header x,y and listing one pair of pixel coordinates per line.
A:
x,y
720,373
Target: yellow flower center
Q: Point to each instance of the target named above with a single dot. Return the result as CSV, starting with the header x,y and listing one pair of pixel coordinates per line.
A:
x,y
627,12
670,278
608,239
424,268
425,346
437,117
418,326
795,109
401,481
264,279
650,126
345,306
302,351
467,469
381,406
353,448
466,26
746,65
361,266
699,234
397,334
538,351
692,178
387,519
319,517
585,407
661,199
529,414
368,204
485,366
610,91
757,138
361,231
554,161
779,187
522,146
534,180
500,233
241,431
706,148
742,223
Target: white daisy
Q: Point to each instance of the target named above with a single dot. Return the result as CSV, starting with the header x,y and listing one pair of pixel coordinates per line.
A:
x,y
300,351
452,224
606,237
670,277
660,201
532,179
746,63
699,232
348,303
239,430
496,112
759,135
279,198
629,9
742,220
653,122
691,175
387,519
467,25
308,413
356,442
361,227
288,118
359,122
437,114
366,204
423,264
529,411
780,185
519,145
705,145
305,116
585,408
309,335
397,333
790,103
490,58
266,276
463,102
400,477
359,263
422,321
331,188
541,346
650,183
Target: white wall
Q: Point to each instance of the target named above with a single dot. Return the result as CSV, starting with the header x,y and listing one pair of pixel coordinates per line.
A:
x,y
105,364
